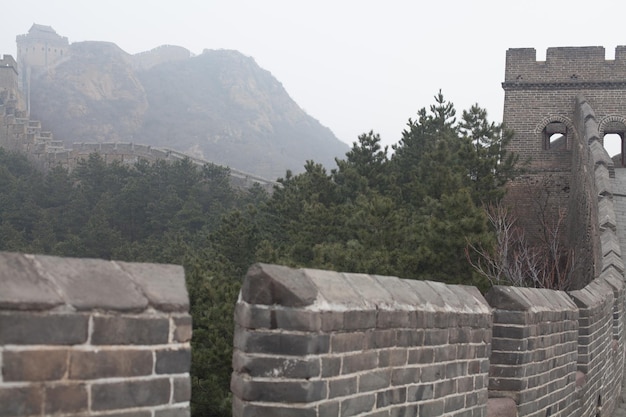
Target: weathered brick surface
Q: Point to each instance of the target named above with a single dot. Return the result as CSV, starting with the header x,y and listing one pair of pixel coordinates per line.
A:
x,y
38,365
22,288
127,394
173,361
182,329
77,355
20,401
367,345
130,330
173,412
24,328
66,398
182,389
85,365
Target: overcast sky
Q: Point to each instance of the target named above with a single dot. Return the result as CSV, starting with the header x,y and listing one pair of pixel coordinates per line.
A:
x,y
355,65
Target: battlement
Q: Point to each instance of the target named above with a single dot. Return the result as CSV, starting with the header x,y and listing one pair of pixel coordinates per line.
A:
x,y
8,61
576,67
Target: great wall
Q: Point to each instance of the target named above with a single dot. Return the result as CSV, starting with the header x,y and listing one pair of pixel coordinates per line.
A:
x,y
99,338
41,49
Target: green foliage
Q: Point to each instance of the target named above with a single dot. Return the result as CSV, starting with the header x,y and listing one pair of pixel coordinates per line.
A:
x,y
411,214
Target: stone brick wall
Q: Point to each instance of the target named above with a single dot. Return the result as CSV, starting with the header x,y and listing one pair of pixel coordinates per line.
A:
x,y
534,350
317,343
84,337
540,92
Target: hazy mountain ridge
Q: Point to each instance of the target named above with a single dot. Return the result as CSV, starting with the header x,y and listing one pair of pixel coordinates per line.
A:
x,y
219,106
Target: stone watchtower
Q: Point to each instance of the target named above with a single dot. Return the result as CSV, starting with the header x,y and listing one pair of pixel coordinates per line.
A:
x,y
542,107
40,49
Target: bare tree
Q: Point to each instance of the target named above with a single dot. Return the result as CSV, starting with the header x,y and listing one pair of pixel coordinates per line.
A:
x,y
513,260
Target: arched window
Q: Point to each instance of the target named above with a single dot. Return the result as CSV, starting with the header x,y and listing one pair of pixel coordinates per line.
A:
x,y
555,136
614,132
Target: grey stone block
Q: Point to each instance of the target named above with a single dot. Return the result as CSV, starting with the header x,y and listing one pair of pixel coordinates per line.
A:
x,y
182,389
331,366
357,405
403,292
342,387
285,367
20,401
335,289
173,361
127,394
410,337
420,393
391,397
375,380
38,365
328,408
278,391
405,376
409,410
258,410
253,316
182,329
382,338
163,285
347,342
121,330
124,414
434,337
507,298
278,343
22,287
84,365
90,284
273,284
444,388
33,329
66,398
501,407
173,412
295,319
453,403
431,408
393,357
359,362
421,355
432,373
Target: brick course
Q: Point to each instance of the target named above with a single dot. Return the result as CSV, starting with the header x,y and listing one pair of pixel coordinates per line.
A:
x,y
363,345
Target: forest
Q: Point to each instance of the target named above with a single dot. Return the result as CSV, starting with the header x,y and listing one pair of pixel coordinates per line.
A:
x,y
410,211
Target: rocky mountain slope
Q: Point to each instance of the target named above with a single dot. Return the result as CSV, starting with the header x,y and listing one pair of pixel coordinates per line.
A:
x,y
219,106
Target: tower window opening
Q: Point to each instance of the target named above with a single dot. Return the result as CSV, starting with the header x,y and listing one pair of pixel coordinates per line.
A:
x,y
613,143
555,136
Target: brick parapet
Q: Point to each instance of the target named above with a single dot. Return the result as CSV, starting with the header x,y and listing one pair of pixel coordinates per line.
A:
x,y
534,350
90,337
318,343
578,67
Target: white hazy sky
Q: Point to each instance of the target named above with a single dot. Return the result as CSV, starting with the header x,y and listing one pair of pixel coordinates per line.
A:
x,y
355,65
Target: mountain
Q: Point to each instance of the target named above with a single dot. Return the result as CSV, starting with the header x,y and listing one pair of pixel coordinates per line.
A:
x,y
219,106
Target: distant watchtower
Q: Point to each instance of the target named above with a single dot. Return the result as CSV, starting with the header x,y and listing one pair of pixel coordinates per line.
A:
x,y
539,101
540,106
39,49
